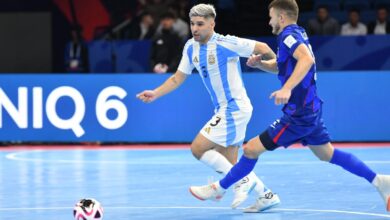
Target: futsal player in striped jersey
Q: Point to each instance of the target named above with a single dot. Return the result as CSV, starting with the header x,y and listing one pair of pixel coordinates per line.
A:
x,y
217,59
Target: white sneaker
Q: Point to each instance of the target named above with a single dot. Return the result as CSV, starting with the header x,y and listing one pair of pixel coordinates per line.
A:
x,y
383,187
242,189
212,191
269,200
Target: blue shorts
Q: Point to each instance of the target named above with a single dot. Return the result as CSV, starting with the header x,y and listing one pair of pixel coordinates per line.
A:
x,y
308,129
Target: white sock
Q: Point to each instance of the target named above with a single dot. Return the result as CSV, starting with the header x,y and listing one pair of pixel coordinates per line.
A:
x,y
217,161
260,188
375,182
220,164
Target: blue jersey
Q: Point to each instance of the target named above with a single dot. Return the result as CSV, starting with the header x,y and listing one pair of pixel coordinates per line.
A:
x,y
304,99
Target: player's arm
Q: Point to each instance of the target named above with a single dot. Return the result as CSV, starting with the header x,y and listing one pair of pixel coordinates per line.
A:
x,y
256,61
265,51
263,58
169,85
305,61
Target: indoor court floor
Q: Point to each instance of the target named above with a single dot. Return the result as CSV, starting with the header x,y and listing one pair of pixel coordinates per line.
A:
x,y
141,182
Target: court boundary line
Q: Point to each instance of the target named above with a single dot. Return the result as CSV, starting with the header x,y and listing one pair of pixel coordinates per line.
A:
x,y
14,157
208,207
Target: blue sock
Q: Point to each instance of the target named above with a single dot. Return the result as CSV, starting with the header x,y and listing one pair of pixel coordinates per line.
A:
x,y
238,171
352,164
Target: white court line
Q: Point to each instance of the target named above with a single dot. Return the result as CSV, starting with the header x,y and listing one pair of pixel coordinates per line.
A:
x,y
197,207
16,157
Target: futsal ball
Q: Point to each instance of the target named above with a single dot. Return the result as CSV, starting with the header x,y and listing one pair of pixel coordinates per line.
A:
x,y
88,209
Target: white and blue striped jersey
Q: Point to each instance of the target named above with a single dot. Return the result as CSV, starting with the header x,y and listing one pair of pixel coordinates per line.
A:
x,y
218,64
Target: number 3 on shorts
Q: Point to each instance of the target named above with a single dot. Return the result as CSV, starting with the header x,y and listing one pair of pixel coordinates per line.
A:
x,y
217,120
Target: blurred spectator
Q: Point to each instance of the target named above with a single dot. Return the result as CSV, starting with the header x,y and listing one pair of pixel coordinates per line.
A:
x,y
179,26
76,57
183,7
381,25
166,47
323,24
156,8
353,26
142,27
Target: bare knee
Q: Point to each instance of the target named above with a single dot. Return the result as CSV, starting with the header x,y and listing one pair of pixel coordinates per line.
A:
x,y
200,145
253,148
197,151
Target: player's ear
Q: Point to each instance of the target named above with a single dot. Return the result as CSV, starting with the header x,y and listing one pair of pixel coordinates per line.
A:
x,y
281,16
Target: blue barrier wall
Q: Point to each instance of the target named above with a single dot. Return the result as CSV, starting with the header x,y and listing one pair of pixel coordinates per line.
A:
x,y
104,107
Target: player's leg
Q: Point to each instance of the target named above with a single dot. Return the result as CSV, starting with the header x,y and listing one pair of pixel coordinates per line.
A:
x,y
213,190
205,150
245,166
222,159
346,160
230,152
268,140
326,152
243,188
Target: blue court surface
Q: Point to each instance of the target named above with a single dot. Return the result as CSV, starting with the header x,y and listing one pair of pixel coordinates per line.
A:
x,y
140,183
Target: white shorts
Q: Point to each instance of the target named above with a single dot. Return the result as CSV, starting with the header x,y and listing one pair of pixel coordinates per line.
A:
x,y
227,128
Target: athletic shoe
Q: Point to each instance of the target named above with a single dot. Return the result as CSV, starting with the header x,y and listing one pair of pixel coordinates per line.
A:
x,y
269,200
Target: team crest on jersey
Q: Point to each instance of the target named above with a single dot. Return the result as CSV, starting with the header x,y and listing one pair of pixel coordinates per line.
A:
x,y
207,130
211,59
195,60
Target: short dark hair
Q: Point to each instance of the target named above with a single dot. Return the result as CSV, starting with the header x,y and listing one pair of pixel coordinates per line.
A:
x,y
322,6
289,6
354,10
382,6
168,15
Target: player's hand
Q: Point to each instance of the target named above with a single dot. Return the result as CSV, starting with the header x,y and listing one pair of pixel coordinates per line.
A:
x,y
160,68
281,96
254,61
147,96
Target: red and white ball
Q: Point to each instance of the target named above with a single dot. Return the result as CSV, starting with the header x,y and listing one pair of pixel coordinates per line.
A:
x,y
88,209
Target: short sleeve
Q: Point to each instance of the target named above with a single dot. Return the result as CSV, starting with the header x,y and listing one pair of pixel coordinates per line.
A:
x,y
243,47
186,66
291,42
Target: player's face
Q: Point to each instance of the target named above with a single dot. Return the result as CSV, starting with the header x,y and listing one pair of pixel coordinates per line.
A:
x,y
202,28
274,21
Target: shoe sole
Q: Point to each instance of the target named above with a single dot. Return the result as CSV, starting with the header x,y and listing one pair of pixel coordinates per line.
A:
x,y
195,195
270,207
263,209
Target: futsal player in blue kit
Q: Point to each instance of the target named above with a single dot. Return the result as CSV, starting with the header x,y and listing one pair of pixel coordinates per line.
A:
x,y
302,111
217,59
